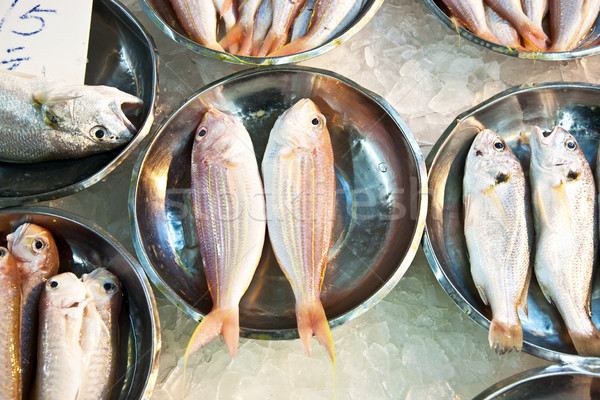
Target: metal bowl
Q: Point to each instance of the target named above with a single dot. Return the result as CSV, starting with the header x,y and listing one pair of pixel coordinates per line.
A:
x,y
380,206
161,13
588,47
120,54
555,382
84,246
573,106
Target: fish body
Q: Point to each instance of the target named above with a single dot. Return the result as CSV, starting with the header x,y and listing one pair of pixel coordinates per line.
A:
x,y
472,14
264,19
512,11
199,19
242,32
564,201
570,21
229,210
36,254
100,334
502,29
59,370
299,178
284,14
536,10
498,233
302,21
10,327
43,120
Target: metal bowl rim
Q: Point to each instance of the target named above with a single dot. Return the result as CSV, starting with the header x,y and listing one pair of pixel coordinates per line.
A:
x,y
126,151
498,48
434,262
139,272
255,61
349,315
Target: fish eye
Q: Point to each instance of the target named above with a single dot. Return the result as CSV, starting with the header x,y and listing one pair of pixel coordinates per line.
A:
x,y
316,121
38,245
201,133
499,145
570,144
109,287
99,133
52,284
2,252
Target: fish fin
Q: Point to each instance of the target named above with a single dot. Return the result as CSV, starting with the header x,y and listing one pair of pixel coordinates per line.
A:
x,y
234,35
482,294
227,4
207,330
504,338
312,320
533,36
294,47
586,345
92,329
523,305
46,99
541,208
231,330
272,42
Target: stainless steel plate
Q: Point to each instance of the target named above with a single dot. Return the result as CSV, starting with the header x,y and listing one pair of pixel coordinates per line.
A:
x,y
381,198
511,113
120,54
83,246
556,382
162,14
588,47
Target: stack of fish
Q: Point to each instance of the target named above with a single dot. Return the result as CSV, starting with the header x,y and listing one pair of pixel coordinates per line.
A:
x,y
523,24
69,325
232,215
500,236
262,28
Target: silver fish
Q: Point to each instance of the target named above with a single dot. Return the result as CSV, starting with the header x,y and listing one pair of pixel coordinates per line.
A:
x,y
570,21
199,19
10,327
284,14
302,22
264,19
59,369
502,29
471,13
44,120
564,201
536,10
498,234
512,11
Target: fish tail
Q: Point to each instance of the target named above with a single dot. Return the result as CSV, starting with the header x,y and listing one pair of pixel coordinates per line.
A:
x,y
217,322
294,47
271,43
504,338
227,4
586,345
231,330
534,36
312,320
233,36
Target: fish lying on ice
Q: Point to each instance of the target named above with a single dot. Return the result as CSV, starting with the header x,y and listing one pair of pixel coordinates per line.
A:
x,y
36,254
499,235
43,120
564,202
299,177
10,327
229,210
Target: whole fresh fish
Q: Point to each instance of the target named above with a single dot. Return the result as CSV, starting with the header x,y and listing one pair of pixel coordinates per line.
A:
x,y
472,14
512,11
59,369
327,18
284,14
570,21
564,201
502,29
264,18
44,120
299,177
499,235
199,19
242,32
100,334
229,209
36,254
10,327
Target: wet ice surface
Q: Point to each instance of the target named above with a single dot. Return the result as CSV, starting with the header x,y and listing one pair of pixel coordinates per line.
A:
x,y
416,343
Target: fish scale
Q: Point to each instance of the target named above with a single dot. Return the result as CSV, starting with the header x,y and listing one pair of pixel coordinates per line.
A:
x,y
10,326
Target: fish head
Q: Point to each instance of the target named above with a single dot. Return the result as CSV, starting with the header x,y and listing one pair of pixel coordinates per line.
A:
x,y
7,262
557,153
34,248
221,139
104,287
88,119
301,126
490,161
64,291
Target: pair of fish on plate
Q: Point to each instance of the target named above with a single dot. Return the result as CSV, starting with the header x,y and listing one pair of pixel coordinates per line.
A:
x,y
77,322
520,23
232,210
263,28
500,234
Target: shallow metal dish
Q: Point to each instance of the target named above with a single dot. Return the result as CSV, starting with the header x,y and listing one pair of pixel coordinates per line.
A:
x,y
84,246
380,206
511,113
162,14
589,47
120,54
555,382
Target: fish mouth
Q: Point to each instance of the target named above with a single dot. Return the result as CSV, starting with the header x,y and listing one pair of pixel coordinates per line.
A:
x,y
16,236
120,110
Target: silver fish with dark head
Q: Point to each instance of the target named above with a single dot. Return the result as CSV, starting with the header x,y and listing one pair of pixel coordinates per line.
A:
x,y
42,120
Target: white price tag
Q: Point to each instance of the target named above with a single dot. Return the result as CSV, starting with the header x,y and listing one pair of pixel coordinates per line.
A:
x,y
45,37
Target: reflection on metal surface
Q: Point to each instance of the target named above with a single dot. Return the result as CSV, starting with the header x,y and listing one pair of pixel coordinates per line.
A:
x,y
161,13
511,114
84,246
379,214
120,54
